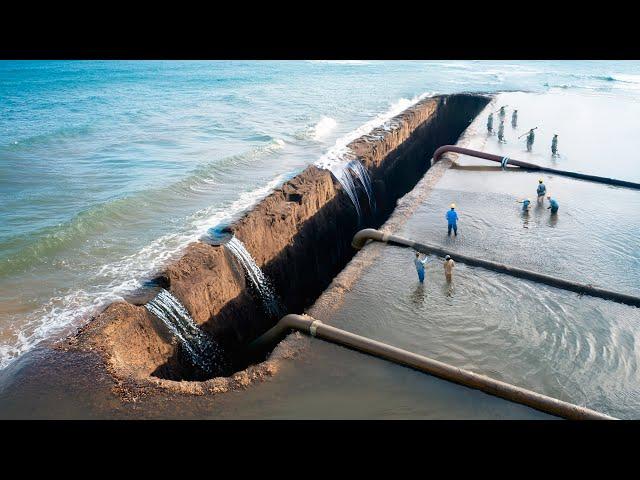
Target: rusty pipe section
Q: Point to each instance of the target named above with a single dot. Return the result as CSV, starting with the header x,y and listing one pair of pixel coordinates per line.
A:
x,y
532,166
316,328
362,236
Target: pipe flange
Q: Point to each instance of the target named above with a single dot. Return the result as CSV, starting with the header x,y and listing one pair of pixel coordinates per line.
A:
x,y
313,327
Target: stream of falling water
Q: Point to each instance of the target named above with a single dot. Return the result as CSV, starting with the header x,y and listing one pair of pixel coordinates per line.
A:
x,y
361,173
346,173
258,279
202,351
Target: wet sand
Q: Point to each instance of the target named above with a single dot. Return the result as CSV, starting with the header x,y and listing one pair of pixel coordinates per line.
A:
x,y
578,349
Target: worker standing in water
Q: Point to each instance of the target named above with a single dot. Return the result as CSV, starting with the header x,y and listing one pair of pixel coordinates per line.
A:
x,y
502,112
553,205
525,204
542,189
448,268
554,144
514,119
452,220
490,123
420,266
530,139
501,132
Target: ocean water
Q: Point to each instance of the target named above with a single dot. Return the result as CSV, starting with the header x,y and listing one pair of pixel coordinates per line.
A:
x,y
109,169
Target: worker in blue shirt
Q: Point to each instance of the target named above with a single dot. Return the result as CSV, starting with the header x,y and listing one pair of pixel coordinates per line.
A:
x,y
420,266
452,219
553,205
525,204
542,189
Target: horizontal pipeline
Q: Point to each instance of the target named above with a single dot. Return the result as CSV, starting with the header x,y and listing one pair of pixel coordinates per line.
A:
x,y
442,370
362,236
532,166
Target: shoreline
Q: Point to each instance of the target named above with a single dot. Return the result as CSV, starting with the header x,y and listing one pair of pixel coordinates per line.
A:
x,y
126,341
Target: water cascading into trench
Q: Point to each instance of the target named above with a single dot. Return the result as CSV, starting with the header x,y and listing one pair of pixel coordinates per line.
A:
x,y
261,284
203,352
346,173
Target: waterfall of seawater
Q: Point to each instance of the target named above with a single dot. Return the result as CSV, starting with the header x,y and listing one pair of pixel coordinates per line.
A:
x,y
258,279
361,173
203,352
345,173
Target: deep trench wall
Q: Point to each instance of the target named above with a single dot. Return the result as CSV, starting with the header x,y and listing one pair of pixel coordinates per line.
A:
x,y
300,235
302,253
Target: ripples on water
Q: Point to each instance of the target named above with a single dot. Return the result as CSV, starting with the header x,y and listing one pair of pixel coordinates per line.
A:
x,y
577,348
108,169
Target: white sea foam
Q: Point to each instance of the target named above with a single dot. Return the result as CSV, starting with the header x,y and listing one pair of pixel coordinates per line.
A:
x,y
111,281
340,153
342,62
628,81
462,66
323,128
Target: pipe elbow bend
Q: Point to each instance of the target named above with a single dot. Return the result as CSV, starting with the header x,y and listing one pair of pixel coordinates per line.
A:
x,y
440,150
360,238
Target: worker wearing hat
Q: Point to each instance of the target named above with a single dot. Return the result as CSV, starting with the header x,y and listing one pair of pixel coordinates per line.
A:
x,y
448,268
452,220
542,189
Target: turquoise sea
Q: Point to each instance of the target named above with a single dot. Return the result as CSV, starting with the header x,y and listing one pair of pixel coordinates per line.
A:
x,y
108,169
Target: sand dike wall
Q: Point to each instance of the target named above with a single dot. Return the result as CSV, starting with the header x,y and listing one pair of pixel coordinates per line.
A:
x,y
300,236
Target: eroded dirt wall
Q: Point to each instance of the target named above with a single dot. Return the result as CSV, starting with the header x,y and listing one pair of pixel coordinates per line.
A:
x,y
299,235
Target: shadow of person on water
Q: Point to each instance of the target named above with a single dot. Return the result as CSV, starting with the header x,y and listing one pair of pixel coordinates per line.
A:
x,y
448,289
417,296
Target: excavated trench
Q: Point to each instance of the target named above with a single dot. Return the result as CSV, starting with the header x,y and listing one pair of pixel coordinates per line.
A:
x,y
300,236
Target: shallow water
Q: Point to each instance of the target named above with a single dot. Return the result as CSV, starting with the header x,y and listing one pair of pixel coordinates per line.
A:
x,y
579,349
576,348
108,169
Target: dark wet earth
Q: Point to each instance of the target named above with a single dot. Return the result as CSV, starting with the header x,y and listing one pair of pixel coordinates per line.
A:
x,y
576,348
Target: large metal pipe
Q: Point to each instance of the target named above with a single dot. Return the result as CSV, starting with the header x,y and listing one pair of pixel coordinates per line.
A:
x,y
362,236
532,166
445,371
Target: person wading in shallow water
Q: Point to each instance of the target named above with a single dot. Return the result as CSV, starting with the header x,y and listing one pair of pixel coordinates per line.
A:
x,y
530,139
514,119
554,145
541,190
490,123
452,220
501,132
525,204
420,266
448,268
